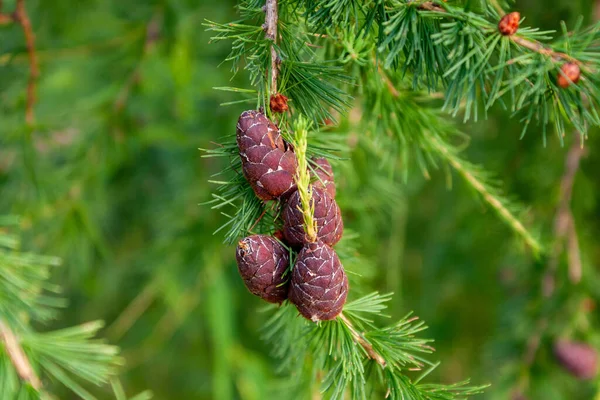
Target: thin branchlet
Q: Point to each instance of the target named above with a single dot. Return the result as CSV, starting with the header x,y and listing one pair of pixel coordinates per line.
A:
x,y
20,16
271,21
18,357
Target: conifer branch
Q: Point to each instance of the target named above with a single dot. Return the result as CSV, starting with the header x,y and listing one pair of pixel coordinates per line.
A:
x,y
271,21
18,357
493,201
60,355
469,172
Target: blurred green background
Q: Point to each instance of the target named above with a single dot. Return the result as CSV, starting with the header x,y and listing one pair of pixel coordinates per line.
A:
x,y
110,179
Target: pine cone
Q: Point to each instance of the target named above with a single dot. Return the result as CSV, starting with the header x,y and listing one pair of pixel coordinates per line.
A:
x,y
509,24
580,359
319,285
571,71
327,215
267,164
262,261
255,129
324,176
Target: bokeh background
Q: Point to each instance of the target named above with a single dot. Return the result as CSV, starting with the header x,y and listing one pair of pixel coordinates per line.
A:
x,y
110,179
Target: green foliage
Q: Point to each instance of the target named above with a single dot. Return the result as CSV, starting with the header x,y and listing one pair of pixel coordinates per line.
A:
x,y
109,179
330,348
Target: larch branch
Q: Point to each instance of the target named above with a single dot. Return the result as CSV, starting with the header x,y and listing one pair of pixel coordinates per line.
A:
x,y
17,357
532,45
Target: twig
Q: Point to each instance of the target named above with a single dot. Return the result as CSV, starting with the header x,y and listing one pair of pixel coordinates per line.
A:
x,y
358,338
497,6
152,35
22,18
488,197
393,91
132,312
17,357
573,253
540,48
563,221
271,20
431,6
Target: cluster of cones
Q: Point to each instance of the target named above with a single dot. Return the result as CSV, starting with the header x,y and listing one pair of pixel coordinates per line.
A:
x,y
318,285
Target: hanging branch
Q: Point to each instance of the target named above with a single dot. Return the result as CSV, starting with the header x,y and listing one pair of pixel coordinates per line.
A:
x,y
469,173
18,357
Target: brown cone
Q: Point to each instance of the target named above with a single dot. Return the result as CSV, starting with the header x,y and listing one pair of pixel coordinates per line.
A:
x,y
255,129
580,359
324,175
327,216
262,261
319,285
267,164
